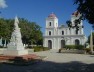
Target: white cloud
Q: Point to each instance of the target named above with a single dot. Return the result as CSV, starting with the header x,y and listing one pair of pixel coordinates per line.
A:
x,y
3,4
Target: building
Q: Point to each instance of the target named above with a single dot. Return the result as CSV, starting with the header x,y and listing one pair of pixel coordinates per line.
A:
x,y
57,37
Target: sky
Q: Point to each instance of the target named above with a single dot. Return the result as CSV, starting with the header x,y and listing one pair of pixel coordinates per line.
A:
x,y
38,10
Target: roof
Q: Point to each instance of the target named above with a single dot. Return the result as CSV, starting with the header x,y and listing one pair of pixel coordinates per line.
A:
x,y
52,15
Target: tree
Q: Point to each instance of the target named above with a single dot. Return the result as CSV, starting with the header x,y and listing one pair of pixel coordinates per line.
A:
x,y
86,8
31,32
76,22
5,28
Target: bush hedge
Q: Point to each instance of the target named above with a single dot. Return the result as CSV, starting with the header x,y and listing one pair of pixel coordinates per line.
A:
x,y
79,47
40,48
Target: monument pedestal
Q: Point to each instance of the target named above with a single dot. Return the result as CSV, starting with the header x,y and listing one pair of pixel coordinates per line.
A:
x,y
15,52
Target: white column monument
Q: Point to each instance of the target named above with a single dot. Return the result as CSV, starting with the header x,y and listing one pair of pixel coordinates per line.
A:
x,y
91,42
15,47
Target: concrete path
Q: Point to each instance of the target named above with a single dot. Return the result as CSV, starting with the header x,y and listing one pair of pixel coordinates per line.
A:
x,y
54,56
56,62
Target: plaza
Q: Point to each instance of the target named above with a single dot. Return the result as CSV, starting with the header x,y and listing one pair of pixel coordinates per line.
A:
x,y
55,62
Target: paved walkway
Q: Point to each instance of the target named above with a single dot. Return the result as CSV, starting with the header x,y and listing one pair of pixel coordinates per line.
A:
x,y
56,62
54,56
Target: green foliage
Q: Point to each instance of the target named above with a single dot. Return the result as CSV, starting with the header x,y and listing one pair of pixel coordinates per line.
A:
x,y
76,24
69,23
31,32
79,47
5,28
40,48
86,7
70,46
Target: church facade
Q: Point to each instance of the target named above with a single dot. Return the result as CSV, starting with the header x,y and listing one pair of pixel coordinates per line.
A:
x,y
57,37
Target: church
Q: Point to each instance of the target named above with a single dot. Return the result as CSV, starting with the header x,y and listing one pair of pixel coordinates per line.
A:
x,y
57,37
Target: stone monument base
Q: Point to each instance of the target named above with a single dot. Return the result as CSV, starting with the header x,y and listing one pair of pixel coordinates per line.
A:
x,y
15,52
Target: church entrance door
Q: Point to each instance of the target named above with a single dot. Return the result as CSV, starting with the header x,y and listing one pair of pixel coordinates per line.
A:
x,y
62,43
50,44
77,42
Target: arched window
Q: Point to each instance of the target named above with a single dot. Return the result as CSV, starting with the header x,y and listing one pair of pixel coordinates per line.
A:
x,y
49,32
62,32
77,42
49,23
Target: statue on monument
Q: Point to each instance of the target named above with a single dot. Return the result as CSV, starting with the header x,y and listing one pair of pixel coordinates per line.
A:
x,y
16,36
15,47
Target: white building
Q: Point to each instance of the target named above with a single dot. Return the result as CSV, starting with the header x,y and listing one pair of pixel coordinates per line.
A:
x,y
57,37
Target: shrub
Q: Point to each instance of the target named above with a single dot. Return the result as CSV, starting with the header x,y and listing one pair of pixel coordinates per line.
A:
x,y
70,46
40,48
80,47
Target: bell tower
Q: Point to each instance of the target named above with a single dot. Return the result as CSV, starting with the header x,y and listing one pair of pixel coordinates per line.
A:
x,y
76,15
51,24
51,21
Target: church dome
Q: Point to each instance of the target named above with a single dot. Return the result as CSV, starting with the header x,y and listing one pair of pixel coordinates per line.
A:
x,y
52,15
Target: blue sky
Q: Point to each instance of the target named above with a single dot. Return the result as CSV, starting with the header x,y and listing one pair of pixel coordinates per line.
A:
x,y
38,10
